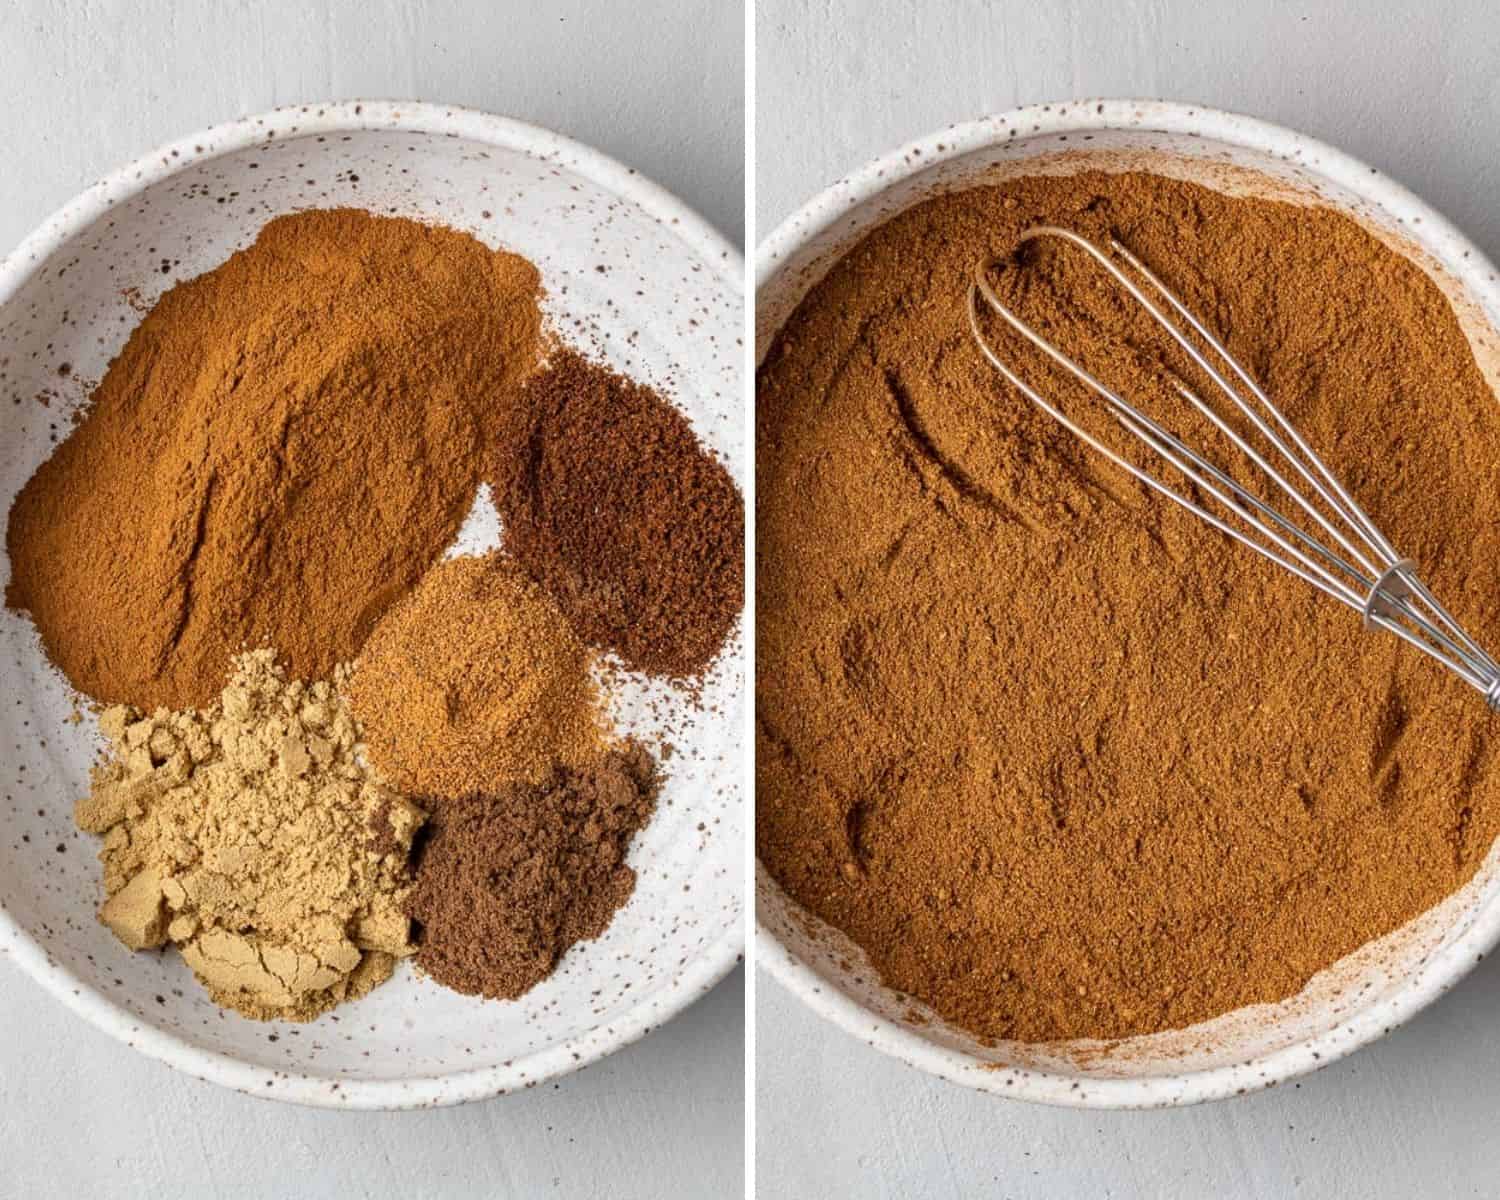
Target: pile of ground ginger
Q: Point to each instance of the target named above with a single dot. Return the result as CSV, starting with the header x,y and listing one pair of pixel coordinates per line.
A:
x,y
243,835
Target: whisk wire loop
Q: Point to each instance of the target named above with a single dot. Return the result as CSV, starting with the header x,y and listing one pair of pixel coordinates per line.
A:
x,y
1361,569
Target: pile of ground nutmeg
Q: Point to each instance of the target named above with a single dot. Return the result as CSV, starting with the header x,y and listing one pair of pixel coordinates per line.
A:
x,y
475,681
1061,758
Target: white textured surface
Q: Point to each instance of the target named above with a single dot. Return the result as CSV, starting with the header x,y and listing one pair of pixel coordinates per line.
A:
x,y
1408,88
82,1116
1413,1116
840,82
85,87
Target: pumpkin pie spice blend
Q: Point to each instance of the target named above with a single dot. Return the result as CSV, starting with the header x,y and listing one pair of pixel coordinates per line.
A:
x,y
1062,759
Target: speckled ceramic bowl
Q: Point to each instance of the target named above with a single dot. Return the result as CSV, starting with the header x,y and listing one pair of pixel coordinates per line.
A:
x,y
631,274
1357,999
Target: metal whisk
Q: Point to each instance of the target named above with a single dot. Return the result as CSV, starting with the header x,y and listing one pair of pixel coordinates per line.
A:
x,y
1349,559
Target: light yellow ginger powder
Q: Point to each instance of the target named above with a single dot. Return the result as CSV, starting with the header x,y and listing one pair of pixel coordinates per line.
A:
x,y
250,836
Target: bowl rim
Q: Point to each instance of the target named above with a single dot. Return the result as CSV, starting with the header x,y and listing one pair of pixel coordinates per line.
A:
x,y
712,963
1464,260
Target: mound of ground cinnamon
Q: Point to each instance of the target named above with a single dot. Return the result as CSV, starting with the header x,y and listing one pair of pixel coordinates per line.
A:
x,y
612,503
507,882
282,448
1063,760
474,682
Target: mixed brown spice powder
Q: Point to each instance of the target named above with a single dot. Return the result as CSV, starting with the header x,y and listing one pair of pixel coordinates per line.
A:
x,y
1062,759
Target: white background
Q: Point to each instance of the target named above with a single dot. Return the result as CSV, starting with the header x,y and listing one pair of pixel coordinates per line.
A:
x,y
85,87
1410,88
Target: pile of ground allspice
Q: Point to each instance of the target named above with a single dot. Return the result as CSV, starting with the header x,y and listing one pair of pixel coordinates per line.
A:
x,y
1061,758
517,875
611,503
329,745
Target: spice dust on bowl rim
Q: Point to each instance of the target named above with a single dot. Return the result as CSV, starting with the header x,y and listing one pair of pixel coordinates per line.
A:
x,y
650,290
1363,995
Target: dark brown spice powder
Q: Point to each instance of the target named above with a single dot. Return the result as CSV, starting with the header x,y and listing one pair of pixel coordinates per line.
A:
x,y
1062,759
507,882
612,504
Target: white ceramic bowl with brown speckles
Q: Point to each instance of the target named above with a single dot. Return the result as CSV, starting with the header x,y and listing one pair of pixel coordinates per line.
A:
x,y
1359,998
667,308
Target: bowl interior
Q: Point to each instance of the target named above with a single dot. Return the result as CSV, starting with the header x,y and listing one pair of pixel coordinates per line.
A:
x,y
625,283
1357,998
